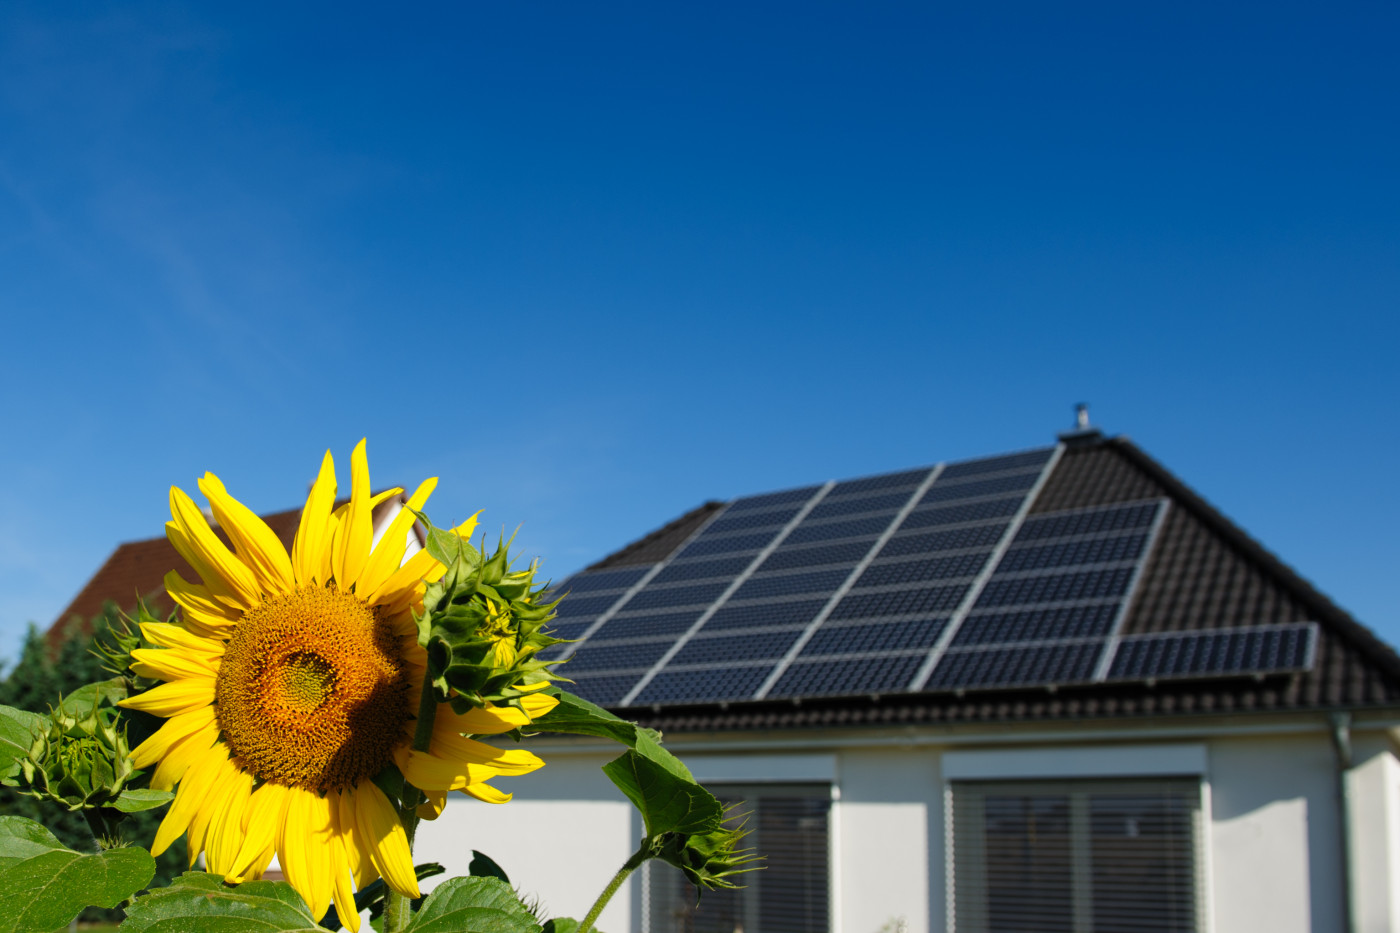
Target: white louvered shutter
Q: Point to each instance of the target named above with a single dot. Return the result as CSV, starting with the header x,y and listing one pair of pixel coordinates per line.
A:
x,y
1120,856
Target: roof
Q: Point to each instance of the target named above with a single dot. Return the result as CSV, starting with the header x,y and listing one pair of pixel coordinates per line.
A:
x,y
137,569
1083,580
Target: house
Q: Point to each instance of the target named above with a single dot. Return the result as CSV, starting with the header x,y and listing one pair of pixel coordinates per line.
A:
x,y
1042,691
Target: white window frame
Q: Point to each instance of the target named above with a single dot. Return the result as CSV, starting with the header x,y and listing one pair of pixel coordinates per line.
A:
x,y
1079,761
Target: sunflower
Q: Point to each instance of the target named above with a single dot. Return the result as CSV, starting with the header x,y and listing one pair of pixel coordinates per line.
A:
x,y
293,682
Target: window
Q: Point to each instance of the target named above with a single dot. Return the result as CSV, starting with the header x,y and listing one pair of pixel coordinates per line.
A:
x,y
1081,856
788,824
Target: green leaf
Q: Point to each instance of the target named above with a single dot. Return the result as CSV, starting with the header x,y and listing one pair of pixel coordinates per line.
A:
x,y
17,729
656,781
483,866
80,701
21,839
563,925
481,905
669,802
133,801
200,901
577,716
43,885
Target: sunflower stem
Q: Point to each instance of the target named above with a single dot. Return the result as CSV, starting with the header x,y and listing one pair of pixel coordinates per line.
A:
x,y
398,909
629,866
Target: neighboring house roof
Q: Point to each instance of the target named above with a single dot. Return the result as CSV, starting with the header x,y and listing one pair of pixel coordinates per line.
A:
x,y
137,569
1201,585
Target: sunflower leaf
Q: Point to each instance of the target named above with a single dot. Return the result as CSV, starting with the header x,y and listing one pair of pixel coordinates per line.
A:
x,y
657,782
44,885
82,700
668,802
481,905
200,901
142,798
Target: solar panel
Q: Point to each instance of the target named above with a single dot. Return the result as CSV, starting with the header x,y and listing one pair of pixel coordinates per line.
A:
x,y
642,624
1260,650
836,676
909,478
772,518
930,568
1066,662
748,647
728,567
588,582
1050,604
790,558
951,540
923,579
607,690
1016,482
791,584
874,636
608,656
729,682
952,514
775,613
1075,621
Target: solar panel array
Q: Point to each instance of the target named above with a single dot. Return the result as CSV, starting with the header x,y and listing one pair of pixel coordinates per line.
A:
x,y
929,579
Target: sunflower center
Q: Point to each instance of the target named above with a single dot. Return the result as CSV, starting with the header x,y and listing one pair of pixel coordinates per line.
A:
x,y
312,691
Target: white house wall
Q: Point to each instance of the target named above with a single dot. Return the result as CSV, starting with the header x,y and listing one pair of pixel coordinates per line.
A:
x,y
560,840
1272,840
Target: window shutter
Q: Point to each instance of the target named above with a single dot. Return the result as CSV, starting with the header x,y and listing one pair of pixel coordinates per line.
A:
x,y
1118,856
789,826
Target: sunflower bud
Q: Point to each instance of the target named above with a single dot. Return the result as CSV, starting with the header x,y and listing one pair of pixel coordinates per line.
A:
x,y
81,763
483,627
710,860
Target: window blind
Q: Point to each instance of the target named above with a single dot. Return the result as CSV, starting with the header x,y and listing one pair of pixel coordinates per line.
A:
x,y
789,825
1120,856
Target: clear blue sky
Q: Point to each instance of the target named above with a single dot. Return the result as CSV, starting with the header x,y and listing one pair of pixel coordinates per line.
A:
x,y
593,264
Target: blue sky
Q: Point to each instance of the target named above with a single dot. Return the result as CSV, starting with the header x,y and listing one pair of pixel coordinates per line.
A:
x,y
595,264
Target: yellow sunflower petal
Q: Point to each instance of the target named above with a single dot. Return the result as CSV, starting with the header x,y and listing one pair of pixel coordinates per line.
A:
x,y
433,773
193,793
216,564
181,755
388,554
204,613
431,808
356,856
342,894
303,848
173,636
198,832
384,839
357,529
313,539
255,543
501,760
172,663
177,728
538,704
487,793
265,813
178,696
404,588
224,839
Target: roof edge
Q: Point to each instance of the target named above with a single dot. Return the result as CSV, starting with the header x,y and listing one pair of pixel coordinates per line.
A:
x,y
1329,612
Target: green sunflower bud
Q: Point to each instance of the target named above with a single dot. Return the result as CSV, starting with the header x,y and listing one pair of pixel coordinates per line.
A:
x,y
710,860
82,763
483,626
